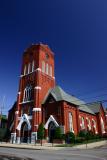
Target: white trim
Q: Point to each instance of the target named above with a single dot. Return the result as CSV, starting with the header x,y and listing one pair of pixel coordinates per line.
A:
x,y
29,117
38,69
24,118
19,93
51,119
53,77
26,102
36,109
38,87
17,112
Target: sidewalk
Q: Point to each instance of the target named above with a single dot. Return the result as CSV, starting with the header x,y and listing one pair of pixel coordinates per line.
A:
x,y
48,146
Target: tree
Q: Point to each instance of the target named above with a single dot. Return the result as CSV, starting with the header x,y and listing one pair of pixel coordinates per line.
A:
x,y
41,132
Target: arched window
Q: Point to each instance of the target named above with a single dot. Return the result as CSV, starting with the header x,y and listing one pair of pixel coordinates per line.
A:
x,y
71,122
28,93
94,126
33,66
102,125
25,70
88,123
50,71
83,123
29,68
47,69
43,66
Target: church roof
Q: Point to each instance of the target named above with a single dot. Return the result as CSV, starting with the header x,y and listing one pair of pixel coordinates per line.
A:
x,y
59,94
95,107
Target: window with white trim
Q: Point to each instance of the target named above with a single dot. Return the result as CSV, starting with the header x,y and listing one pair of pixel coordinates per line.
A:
x,y
33,66
25,69
29,68
102,126
47,69
43,66
28,93
71,122
83,123
50,71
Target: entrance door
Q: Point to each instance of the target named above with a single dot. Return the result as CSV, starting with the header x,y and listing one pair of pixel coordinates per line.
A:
x,y
24,133
51,131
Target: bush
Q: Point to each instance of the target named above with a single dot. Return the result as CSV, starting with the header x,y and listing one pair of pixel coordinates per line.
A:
x,y
70,137
58,133
79,139
3,132
41,131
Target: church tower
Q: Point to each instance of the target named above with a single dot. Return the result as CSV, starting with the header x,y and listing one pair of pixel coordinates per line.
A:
x,y
37,77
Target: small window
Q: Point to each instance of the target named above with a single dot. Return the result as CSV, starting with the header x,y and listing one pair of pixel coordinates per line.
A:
x,y
43,66
47,68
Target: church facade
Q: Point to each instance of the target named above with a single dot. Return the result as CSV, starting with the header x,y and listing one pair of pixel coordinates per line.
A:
x,y
39,100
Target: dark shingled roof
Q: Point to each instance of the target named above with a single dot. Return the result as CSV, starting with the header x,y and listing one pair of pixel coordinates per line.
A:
x,y
59,94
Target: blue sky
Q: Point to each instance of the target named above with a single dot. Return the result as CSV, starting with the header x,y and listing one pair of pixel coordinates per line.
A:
x,y
76,31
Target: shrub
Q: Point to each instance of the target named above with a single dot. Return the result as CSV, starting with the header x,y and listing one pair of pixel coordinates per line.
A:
x,y
2,134
70,137
41,131
58,133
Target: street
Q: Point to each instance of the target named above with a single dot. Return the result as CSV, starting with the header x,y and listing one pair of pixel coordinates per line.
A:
x,y
63,154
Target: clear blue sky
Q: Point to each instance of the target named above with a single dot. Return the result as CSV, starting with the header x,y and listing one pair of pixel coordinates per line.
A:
x,y
76,31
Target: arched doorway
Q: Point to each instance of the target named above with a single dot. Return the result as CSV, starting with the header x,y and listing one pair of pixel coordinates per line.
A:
x,y
51,131
24,132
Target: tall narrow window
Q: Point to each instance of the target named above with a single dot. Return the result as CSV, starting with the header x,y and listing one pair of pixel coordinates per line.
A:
x,y
28,93
29,68
102,126
33,66
25,70
71,122
83,123
43,66
50,71
47,69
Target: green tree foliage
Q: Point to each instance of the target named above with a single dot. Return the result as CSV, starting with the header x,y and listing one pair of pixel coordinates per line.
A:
x,y
58,133
70,137
41,131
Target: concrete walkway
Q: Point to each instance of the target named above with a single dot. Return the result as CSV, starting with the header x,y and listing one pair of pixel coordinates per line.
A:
x,y
48,146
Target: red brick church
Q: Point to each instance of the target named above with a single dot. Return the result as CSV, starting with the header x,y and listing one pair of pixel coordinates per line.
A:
x,y
40,100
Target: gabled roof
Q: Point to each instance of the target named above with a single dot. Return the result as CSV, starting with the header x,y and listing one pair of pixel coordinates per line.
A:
x,y
60,95
95,107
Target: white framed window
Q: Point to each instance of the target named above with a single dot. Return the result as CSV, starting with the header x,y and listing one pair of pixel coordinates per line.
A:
x,y
33,66
83,123
25,69
88,123
29,68
47,68
27,93
43,66
94,125
50,71
71,123
102,126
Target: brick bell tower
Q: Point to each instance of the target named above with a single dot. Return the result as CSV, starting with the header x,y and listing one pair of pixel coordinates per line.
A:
x,y
37,77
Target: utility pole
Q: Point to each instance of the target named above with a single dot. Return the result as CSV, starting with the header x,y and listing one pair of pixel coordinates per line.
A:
x,y
1,108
